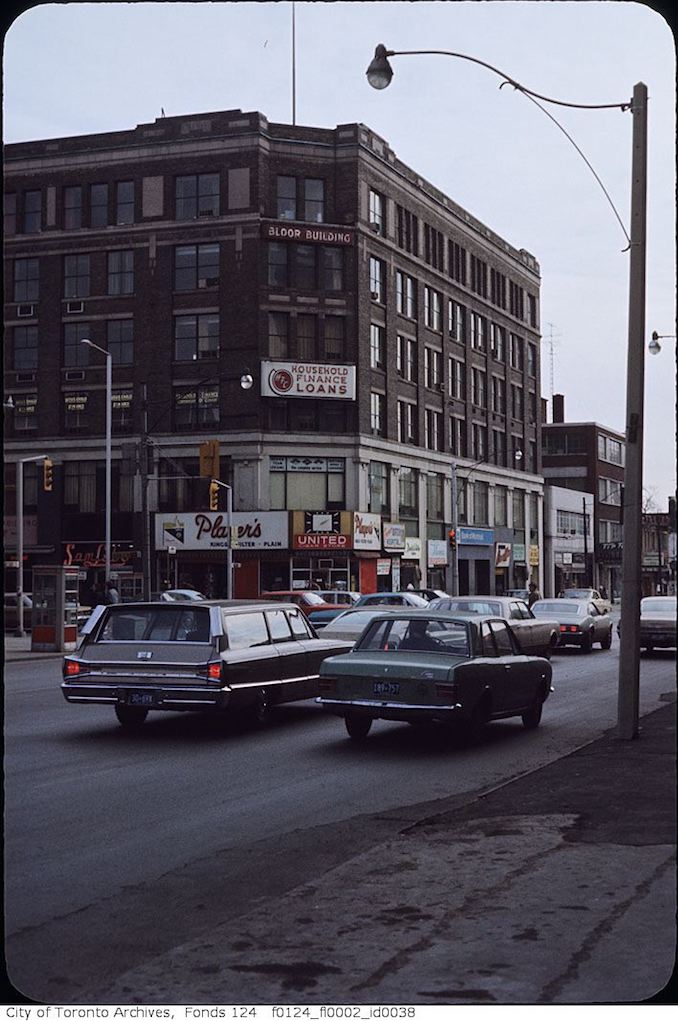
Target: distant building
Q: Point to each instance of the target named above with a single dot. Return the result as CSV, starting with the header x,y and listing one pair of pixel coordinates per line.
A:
x,y
659,552
589,458
389,333
568,539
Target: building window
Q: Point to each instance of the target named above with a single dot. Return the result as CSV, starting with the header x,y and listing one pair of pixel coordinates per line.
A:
x,y
26,279
76,354
477,331
98,205
517,405
435,507
458,436
407,232
406,358
278,335
379,495
569,523
499,443
407,422
124,202
9,213
478,388
408,492
456,378
500,506
196,266
76,276
196,337
377,280
75,413
314,200
197,408
533,502
307,337
80,485
456,321
516,300
286,198
376,212
32,212
335,340
120,341
302,483
531,360
533,313
433,426
25,413
121,272
434,247
197,195
278,270
377,414
433,368
73,207
497,288
377,346
25,348
456,262
497,341
498,395
518,504
478,441
406,295
610,450
479,276
517,353
333,268
609,491
305,275
481,503
121,410
432,308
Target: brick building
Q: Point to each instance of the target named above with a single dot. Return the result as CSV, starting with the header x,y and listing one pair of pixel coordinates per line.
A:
x,y
589,457
389,334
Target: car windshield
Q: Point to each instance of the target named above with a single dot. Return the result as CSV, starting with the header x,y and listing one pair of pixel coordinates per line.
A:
x,y
561,608
578,593
658,606
490,609
350,621
155,624
421,634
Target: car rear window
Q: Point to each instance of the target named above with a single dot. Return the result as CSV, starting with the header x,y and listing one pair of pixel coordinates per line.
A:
x,y
658,605
156,624
560,609
420,635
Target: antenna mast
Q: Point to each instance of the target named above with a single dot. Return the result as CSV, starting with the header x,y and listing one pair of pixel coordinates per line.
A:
x,y
294,67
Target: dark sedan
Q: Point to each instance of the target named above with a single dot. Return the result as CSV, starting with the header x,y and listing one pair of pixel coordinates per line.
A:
x,y
425,666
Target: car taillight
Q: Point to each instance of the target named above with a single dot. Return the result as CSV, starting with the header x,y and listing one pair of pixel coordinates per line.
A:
x,y
445,691
327,685
71,668
214,671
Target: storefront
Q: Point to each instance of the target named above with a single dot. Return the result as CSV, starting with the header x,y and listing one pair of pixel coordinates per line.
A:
x,y
475,552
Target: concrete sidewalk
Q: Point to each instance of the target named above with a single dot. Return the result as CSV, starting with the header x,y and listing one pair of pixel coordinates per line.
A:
x,y
555,888
18,649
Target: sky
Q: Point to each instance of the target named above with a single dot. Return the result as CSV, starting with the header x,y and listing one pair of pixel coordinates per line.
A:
x,y
79,68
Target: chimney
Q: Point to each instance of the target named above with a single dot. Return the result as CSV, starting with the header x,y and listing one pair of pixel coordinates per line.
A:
x,y
558,408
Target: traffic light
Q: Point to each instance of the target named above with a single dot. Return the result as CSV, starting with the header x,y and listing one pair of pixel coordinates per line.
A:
x,y
452,537
209,459
214,496
47,475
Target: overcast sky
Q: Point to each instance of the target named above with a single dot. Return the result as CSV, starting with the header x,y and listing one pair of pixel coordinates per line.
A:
x,y
77,68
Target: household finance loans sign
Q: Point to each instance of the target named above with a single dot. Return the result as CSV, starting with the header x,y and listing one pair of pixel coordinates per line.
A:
x,y
307,379
205,530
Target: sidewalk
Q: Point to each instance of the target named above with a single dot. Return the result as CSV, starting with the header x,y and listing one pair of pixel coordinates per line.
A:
x,y
555,888
17,649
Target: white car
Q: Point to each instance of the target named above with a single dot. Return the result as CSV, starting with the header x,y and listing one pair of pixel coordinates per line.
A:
x,y
591,595
178,595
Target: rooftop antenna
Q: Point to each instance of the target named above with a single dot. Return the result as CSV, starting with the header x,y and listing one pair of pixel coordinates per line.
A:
x,y
294,66
551,339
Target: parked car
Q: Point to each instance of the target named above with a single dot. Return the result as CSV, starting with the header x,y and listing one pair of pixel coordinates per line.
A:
x,y
307,601
214,655
428,593
342,597
427,666
393,599
177,595
592,595
11,616
536,636
657,623
581,623
518,593
350,624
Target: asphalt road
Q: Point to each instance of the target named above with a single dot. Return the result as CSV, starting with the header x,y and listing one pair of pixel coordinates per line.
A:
x,y
118,846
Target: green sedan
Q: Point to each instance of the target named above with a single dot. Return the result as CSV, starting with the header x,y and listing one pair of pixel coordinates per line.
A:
x,y
434,667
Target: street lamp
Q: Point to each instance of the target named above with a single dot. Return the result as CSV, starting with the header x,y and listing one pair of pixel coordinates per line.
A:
x,y
20,633
654,347
109,402
379,75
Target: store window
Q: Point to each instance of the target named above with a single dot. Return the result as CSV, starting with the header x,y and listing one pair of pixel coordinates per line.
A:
x,y
379,495
303,483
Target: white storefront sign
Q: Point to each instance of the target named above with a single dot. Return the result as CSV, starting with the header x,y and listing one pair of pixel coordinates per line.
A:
x,y
307,379
366,531
208,530
412,548
437,553
394,536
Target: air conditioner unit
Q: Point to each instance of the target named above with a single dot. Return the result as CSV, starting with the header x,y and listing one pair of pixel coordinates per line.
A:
x,y
205,212
73,374
211,281
75,306
441,387
376,227
25,310
25,377
374,295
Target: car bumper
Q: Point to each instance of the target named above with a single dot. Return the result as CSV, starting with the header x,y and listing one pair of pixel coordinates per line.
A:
x,y
660,639
393,710
174,698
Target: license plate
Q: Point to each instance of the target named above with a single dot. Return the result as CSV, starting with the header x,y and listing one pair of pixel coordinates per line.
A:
x,y
386,688
140,698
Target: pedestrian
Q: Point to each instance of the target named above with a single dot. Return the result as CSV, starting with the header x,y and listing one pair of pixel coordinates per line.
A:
x,y
534,595
112,595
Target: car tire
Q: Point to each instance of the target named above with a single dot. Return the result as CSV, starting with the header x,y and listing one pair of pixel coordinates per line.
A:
x,y
358,725
607,640
261,709
479,719
649,649
532,718
587,643
131,717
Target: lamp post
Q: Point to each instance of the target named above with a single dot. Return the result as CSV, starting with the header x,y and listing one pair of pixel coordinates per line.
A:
x,y
109,402
20,633
379,75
